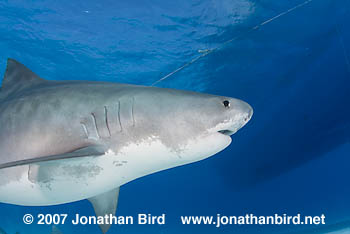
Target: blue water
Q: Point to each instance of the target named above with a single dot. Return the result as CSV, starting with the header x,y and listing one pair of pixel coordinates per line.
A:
x,y
292,157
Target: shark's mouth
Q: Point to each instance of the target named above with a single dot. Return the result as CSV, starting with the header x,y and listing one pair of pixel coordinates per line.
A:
x,y
231,126
226,132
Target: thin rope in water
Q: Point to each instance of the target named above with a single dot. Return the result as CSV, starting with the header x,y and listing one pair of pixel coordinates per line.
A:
x,y
209,51
342,44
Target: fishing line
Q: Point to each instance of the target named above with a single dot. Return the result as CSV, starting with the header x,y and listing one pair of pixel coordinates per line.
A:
x,y
209,51
346,57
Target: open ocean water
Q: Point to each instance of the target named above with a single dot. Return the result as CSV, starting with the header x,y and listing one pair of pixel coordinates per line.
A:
x,y
292,157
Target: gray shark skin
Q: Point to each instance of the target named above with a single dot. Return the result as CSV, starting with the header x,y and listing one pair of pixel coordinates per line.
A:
x,y
63,141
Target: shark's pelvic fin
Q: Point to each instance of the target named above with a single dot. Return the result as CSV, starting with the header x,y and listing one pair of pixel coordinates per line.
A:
x,y
94,150
18,77
105,204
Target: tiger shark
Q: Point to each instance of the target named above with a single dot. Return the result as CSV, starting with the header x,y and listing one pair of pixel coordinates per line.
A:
x,y
65,141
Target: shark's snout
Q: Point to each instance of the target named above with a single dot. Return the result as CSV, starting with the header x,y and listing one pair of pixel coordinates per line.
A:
x,y
249,112
242,112
238,113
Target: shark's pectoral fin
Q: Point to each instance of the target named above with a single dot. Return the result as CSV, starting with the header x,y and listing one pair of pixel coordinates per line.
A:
x,y
93,150
105,204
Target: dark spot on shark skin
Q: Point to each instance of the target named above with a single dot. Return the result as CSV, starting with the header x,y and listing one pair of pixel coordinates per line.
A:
x,y
82,171
45,173
33,172
47,185
118,163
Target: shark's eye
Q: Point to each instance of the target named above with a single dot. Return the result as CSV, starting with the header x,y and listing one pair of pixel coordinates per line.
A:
x,y
226,103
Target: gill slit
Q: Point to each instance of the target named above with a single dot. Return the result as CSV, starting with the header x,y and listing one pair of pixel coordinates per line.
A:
x,y
120,122
106,120
85,129
132,111
94,121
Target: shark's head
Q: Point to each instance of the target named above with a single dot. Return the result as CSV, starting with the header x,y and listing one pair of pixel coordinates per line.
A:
x,y
191,125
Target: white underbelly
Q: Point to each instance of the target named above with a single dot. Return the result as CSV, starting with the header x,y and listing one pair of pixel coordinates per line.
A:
x,y
64,181
55,182
69,180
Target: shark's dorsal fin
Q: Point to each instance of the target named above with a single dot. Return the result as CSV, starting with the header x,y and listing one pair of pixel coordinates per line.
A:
x,y
105,204
17,77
